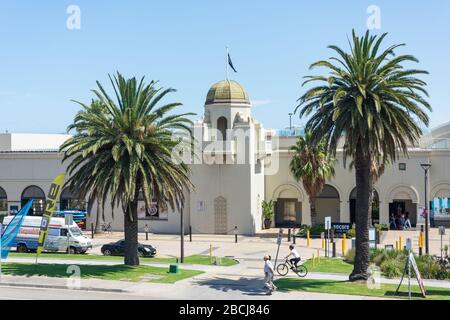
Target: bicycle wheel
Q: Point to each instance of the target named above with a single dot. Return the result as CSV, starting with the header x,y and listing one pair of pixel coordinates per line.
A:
x,y
282,269
302,271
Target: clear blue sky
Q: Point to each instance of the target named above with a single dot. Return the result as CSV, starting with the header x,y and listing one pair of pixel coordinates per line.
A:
x,y
182,43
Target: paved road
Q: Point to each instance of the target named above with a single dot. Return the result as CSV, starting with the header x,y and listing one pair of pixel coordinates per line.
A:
x,y
16,293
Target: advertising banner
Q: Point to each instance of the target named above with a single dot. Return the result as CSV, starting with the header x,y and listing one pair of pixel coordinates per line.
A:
x,y
50,206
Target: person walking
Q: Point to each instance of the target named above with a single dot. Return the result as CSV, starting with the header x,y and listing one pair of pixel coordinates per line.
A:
x,y
407,221
268,275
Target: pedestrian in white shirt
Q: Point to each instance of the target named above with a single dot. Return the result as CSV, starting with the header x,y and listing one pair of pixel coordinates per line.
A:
x,y
268,275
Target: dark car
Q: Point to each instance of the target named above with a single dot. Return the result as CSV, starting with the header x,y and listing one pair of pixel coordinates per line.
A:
x,y
118,249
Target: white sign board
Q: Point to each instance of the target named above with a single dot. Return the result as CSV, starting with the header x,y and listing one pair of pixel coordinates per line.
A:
x,y
280,236
68,219
418,277
442,231
408,244
327,223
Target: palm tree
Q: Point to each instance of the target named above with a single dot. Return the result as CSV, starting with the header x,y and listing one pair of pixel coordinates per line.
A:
x,y
314,165
376,106
122,150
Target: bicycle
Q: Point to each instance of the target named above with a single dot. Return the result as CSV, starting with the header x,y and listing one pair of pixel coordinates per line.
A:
x,y
106,227
283,269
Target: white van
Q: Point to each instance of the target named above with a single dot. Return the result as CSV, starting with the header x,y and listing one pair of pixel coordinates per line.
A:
x,y
60,236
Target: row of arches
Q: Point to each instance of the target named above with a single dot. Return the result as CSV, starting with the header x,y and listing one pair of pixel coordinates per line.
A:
x,y
68,200
399,199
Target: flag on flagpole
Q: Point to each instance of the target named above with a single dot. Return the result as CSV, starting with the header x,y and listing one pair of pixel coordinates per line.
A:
x,y
12,229
230,63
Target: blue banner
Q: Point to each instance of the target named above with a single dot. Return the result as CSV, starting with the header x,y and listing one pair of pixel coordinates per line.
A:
x,y
12,229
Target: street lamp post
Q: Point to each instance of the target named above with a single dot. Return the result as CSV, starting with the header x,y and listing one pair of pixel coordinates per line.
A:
x,y
182,236
290,121
426,168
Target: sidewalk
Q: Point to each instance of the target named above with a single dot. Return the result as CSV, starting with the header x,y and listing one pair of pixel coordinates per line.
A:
x,y
217,289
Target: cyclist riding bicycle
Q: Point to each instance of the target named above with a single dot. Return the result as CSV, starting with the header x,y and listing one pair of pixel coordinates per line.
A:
x,y
296,257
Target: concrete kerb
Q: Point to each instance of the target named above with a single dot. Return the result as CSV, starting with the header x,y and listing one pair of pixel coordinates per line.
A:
x,y
45,286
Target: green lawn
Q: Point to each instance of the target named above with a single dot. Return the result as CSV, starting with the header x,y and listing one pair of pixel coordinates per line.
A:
x,y
360,289
194,259
115,272
329,265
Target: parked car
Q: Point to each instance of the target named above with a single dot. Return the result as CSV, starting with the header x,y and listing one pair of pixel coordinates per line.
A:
x,y
118,249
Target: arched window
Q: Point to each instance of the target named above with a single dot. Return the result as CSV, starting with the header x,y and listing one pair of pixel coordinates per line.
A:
x,y
38,196
222,126
71,201
3,202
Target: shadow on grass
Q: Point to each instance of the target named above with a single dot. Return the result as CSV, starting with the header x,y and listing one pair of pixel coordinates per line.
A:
x,y
60,270
248,286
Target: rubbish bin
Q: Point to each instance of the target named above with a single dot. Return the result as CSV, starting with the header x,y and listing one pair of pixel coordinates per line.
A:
x,y
173,268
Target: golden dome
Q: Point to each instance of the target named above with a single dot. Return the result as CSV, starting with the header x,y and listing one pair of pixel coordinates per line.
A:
x,y
227,91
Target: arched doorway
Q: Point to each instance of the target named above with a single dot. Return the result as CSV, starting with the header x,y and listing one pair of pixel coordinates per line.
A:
x,y
38,196
222,126
220,215
403,199
288,206
71,201
328,204
3,204
375,207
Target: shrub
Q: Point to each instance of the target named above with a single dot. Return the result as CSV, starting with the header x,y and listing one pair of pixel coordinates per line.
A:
x,y
351,233
350,256
430,268
392,268
381,227
313,231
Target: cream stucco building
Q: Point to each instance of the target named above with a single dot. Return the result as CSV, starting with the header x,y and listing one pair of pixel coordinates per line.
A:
x,y
241,164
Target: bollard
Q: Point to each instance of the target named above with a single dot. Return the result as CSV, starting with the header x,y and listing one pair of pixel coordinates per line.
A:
x,y
92,230
323,243
293,239
313,260
210,252
235,234
318,256
146,235
333,249
344,244
420,243
190,233
400,240
308,241
396,245
289,235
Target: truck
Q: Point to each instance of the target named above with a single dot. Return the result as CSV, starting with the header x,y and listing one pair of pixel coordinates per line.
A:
x,y
61,237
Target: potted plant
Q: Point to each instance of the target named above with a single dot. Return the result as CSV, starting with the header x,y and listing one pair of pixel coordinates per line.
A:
x,y
268,213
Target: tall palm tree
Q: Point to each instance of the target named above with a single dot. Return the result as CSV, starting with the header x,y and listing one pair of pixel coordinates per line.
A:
x,y
122,149
376,106
313,165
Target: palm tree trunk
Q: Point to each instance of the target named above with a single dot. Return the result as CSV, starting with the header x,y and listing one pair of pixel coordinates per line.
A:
x,y
364,188
312,206
131,235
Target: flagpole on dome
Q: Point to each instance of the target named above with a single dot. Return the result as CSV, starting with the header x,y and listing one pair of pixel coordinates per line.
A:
x,y
226,61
